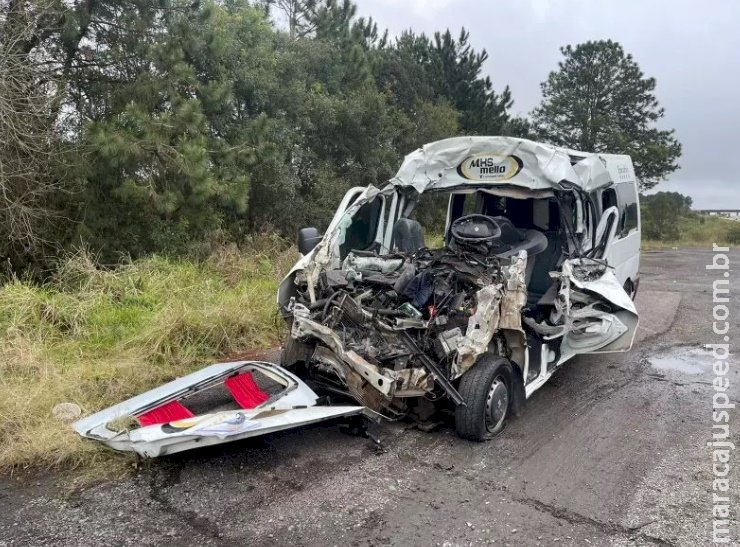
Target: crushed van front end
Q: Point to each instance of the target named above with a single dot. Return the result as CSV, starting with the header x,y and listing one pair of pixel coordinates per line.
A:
x,y
517,288
396,332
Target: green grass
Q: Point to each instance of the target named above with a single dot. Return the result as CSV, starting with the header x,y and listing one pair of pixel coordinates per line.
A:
x,y
700,231
94,337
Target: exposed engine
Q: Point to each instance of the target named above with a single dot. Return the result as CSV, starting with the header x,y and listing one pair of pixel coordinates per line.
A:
x,y
388,329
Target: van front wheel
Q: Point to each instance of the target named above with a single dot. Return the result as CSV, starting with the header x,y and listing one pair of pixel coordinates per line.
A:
x,y
487,390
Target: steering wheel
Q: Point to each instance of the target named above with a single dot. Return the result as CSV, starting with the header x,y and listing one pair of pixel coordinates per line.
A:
x,y
475,229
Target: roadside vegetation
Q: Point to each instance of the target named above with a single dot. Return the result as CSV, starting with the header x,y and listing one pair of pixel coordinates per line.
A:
x,y
94,337
667,221
697,230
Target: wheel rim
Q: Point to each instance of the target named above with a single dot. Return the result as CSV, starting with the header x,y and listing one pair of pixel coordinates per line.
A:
x,y
497,405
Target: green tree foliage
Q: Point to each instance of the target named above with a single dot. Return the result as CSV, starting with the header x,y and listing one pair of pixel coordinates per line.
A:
x,y
172,158
600,101
456,68
661,213
419,69
138,126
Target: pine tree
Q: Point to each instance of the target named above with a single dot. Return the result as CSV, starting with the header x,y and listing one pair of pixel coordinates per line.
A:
x,y
448,69
600,101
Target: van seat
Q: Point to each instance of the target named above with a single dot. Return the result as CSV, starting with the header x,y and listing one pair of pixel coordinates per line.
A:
x,y
543,263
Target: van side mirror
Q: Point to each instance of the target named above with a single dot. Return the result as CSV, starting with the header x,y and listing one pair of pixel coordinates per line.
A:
x,y
308,238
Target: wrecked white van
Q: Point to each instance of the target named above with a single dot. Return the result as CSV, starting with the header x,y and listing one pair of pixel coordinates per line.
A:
x,y
538,262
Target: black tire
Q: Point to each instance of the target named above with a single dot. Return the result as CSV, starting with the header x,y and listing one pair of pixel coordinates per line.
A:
x,y
488,390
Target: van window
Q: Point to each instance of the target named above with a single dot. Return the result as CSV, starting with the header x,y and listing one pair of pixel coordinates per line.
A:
x,y
431,213
608,199
539,214
627,195
361,233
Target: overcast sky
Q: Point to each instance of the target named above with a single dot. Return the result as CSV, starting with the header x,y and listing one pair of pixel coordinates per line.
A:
x,y
692,48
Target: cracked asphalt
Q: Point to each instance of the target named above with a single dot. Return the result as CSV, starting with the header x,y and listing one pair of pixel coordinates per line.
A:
x,y
612,451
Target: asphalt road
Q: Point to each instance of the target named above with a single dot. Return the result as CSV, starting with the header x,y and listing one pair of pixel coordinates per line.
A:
x,y
612,451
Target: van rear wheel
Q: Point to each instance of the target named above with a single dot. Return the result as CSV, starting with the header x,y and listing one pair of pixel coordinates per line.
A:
x,y
487,390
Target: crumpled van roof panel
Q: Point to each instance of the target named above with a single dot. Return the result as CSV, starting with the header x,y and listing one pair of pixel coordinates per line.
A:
x,y
475,161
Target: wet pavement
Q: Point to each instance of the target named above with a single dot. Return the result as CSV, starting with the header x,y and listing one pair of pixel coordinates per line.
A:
x,y
683,360
612,451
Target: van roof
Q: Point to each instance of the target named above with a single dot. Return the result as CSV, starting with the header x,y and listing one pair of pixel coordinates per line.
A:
x,y
488,162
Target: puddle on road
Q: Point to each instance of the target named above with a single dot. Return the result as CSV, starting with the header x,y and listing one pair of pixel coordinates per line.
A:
x,y
683,360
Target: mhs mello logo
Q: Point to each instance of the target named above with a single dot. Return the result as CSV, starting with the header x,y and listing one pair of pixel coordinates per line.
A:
x,y
490,167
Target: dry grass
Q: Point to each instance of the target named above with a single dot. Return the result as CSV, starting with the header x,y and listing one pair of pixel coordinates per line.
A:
x,y
94,337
